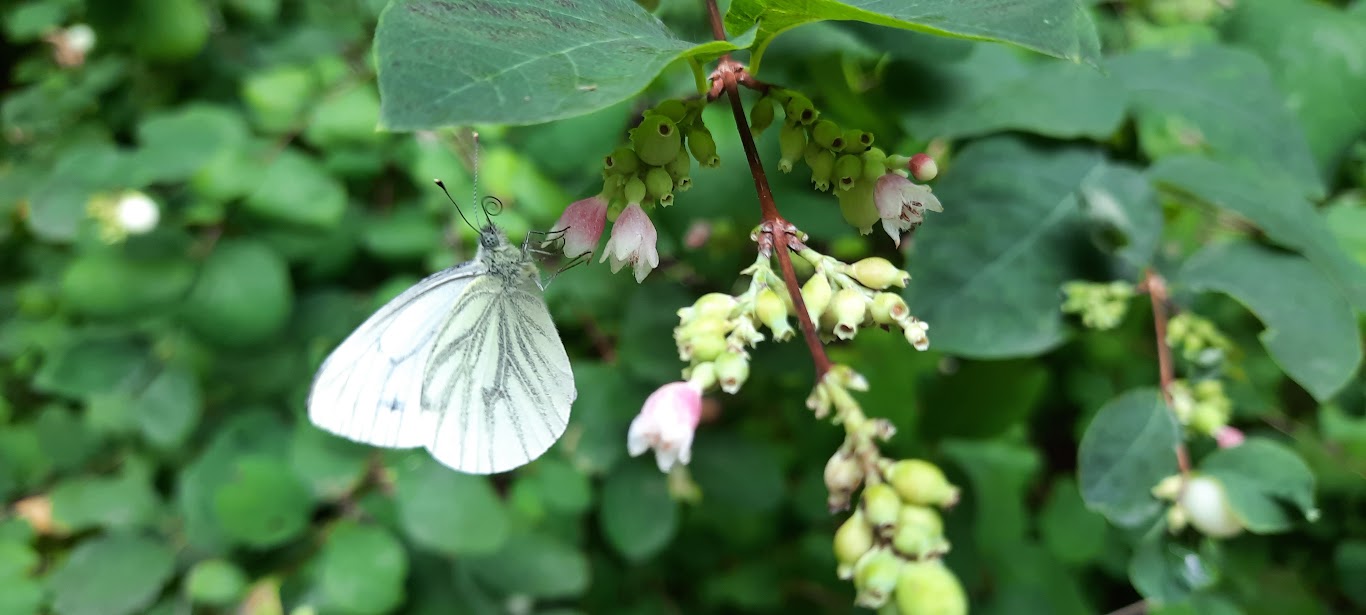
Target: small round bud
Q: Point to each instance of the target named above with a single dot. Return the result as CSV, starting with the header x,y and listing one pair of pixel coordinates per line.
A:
x,y
874,164
919,533
875,577
714,305
916,332
622,161
923,168
848,169
136,213
888,308
858,207
800,110
822,165
706,347
878,273
881,505
772,311
761,115
1168,488
850,307
635,190
732,370
702,146
657,140
703,375
853,539
658,183
1207,506
923,483
679,169
843,474
827,134
929,588
857,141
816,295
791,145
674,109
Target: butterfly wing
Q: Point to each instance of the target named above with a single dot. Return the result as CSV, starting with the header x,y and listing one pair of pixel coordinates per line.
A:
x,y
369,389
501,373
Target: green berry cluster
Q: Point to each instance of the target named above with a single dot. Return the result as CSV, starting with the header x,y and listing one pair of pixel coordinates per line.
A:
x,y
1102,306
1198,339
658,160
1204,407
842,298
712,336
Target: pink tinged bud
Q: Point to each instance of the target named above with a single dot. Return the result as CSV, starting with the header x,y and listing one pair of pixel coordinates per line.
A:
x,y
923,168
1228,437
581,225
901,204
633,241
666,424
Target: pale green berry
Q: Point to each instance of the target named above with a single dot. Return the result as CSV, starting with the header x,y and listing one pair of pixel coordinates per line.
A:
x,y
878,273
658,183
858,207
674,109
888,308
622,161
800,110
706,347
857,141
702,146
929,588
657,140
822,165
732,370
791,145
702,374
923,483
679,169
919,532
843,474
714,305
827,134
874,164
881,505
849,308
1208,508
772,311
761,115
635,190
816,295
875,577
848,170
853,539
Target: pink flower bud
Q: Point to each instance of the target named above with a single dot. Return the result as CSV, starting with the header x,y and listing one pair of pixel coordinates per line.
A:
x,y
1228,437
923,168
581,225
666,424
633,241
901,204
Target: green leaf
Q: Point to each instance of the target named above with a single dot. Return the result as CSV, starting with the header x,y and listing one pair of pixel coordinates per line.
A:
x,y
446,511
1002,474
564,489
169,408
1309,47
537,566
651,315
637,516
595,440
297,190
1286,217
1311,331
20,595
1016,387
1071,532
331,466
1123,208
115,286
737,474
111,575
404,234
1349,560
995,90
1166,572
1127,449
1346,219
173,146
215,582
1257,477
362,569
988,284
87,365
348,117
127,501
250,432
243,295
1183,95
453,62
1060,28
264,504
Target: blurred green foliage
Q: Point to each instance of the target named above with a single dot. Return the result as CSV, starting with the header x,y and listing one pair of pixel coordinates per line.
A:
x,y
155,456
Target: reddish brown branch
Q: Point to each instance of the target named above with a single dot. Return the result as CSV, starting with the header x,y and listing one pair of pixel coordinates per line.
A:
x,y
728,76
1156,287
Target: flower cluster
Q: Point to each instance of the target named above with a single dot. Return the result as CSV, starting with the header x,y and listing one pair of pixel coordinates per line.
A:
x,y
871,185
1201,502
121,215
1101,306
1198,339
637,178
1205,408
842,298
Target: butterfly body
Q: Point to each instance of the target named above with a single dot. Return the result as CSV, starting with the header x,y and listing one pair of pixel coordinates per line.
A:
x,y
466,363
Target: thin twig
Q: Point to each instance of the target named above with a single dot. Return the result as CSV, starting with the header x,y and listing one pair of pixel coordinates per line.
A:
x,y
729,74
1136,608
1156,287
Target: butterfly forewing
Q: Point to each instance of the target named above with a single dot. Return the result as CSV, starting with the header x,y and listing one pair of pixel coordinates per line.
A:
x,y
502,375
369,388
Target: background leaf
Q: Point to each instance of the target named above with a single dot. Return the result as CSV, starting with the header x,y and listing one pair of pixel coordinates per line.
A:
x,y
1258,477
1129,446
113,575
638,517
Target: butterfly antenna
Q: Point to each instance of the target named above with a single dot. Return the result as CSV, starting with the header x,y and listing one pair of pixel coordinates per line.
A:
x,y
476,178
442,185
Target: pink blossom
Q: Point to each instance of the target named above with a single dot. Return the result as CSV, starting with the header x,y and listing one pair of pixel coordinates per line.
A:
x,y
633,241
1228,437
666,423
581,225
901,204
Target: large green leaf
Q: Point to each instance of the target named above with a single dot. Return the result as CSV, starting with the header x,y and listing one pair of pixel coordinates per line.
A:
x,y
1059,28
985,273
127,501
1315,53
638,517
1259,477
362,568
1015,391
1275,206
1001,473
737,474
1164,571
536,565
446,511
111,575
1311,331
452,62
1123,209
264,504
1129,446
1181,98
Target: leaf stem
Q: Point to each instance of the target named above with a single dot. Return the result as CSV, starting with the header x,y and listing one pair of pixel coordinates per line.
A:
x,y
1156,287
729,74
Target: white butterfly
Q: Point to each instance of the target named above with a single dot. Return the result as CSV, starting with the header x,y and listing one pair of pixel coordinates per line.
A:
x,y
466,363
